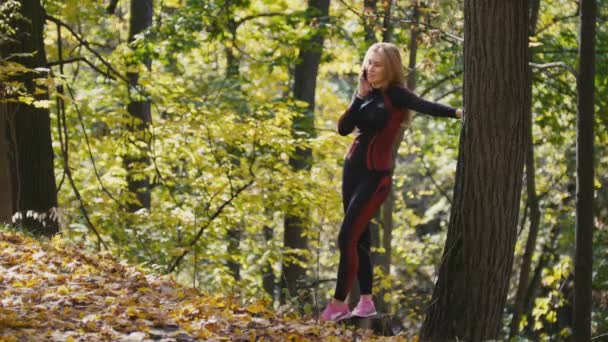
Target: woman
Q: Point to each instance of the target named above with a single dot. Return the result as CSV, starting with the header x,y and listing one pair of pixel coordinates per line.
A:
x,y
378,109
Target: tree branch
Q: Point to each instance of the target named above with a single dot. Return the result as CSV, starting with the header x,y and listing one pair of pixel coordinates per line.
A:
x,y
439,82
457,39
452,36
87,46
429,174
88,144
217,212
558,19
554,65
258,15
449,92
80,59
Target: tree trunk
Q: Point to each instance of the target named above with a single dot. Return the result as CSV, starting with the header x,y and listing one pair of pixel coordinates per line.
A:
x,y
534,8
546,255
6,190
234,234
268,278
526,262
31,171
305,81
385,214
370,7
387,35
533,205
473,280
583,260
369,21
139,108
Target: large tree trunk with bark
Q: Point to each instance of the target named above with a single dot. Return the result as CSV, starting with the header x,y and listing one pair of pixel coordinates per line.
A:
x,y
473,280
532,202
583,260
137,158
304,87
32,174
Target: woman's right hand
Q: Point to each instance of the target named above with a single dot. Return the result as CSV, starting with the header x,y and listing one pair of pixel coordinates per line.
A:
x,y
364,87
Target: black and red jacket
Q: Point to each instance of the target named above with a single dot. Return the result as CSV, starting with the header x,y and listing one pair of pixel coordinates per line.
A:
x,y
378,118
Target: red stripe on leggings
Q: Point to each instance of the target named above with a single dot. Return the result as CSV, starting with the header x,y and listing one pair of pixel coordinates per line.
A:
x,y
367,212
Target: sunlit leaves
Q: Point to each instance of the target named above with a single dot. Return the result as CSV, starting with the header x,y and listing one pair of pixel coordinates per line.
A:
x,y
53,291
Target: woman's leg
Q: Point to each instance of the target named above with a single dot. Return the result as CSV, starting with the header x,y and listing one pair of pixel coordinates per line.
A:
x,y
365,201
365,273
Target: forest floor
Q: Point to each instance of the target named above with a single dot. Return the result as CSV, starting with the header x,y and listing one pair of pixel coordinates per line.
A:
x,y
54,291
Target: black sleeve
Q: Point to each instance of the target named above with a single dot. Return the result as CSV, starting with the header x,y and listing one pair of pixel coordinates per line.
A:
x,y
348,120
404,98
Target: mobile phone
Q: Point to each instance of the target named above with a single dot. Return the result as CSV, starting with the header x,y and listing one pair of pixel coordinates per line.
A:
x,y
365,74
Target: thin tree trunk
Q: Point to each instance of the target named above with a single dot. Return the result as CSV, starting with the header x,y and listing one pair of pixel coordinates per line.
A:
x,y
139,110
387,35
473,280
268,278
370,7
234,233
385,214
369,10
583,260
546,255
304,87
31,171
533,204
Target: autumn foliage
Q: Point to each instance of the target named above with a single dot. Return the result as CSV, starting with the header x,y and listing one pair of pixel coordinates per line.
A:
x,y
55,291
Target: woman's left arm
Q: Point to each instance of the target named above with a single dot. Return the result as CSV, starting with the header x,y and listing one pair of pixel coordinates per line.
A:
x,y
404,98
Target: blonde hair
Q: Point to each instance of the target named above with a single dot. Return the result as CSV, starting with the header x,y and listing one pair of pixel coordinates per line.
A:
x,y
391,58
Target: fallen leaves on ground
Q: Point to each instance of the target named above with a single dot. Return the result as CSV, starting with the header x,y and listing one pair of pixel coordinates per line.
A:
x,y
56,292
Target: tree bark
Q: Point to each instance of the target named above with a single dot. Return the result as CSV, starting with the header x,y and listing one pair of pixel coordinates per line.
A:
x,y
139,109
473,280
31,171
534,8
6,190
304,87
234,234
548,253
369,21
526,262
385,214
387,34
533,205
268,278
583,260
375,226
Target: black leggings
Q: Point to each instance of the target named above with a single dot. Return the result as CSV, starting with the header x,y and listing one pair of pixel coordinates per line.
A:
x,y
363,191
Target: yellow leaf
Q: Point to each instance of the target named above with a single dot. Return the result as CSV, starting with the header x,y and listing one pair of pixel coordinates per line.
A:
x,y
63,290
92,326
31,283
131,311
179,251
256,308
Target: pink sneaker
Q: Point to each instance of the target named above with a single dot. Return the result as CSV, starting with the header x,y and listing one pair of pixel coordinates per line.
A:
x,y
335,312
365,308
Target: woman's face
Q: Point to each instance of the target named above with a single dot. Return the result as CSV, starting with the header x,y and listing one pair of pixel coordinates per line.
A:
x,y
376,71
